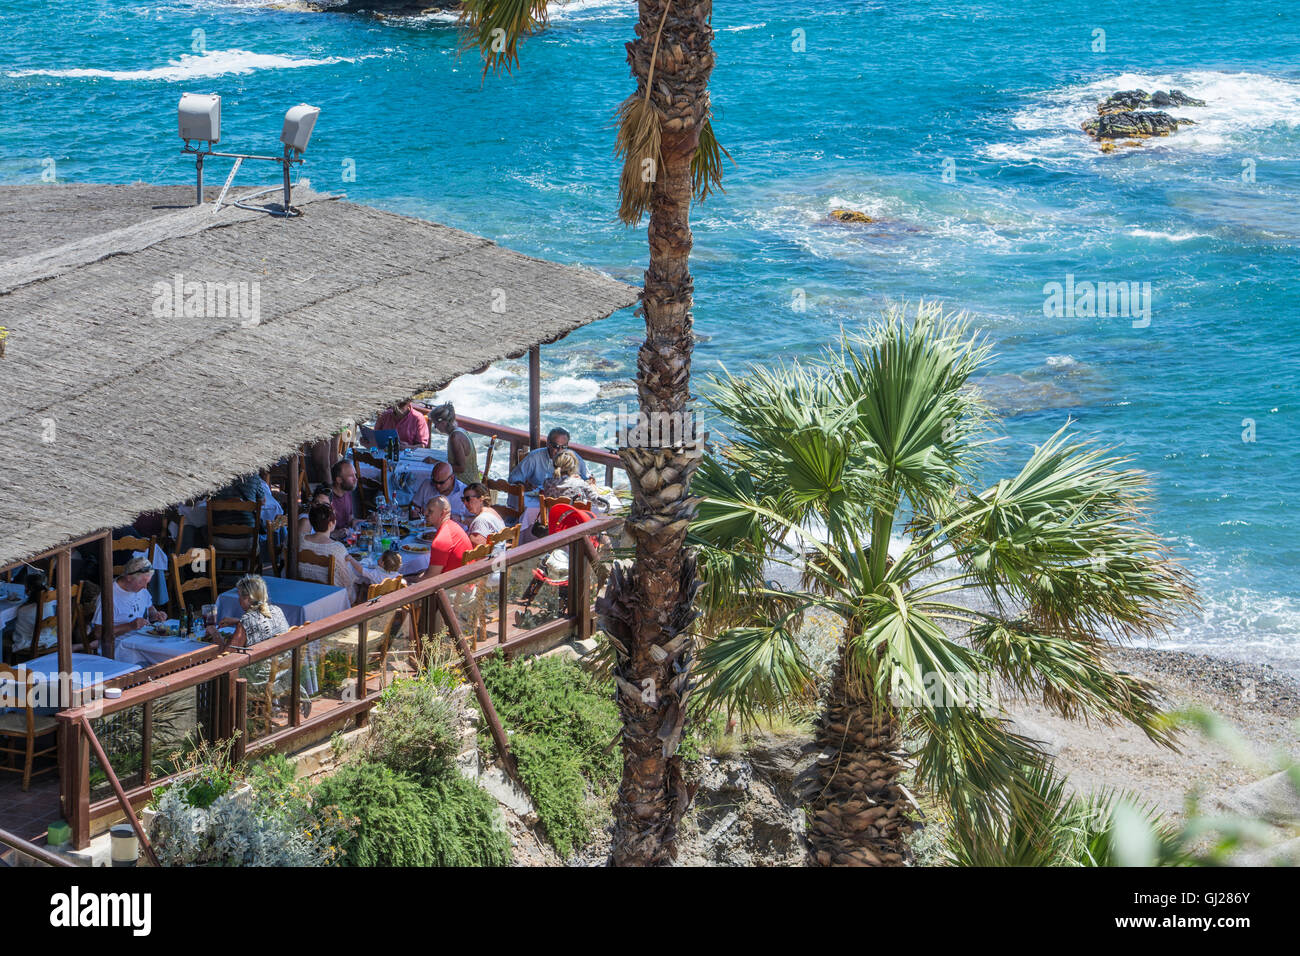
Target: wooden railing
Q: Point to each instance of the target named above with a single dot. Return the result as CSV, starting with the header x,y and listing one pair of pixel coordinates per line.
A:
x,y
219,693
519,445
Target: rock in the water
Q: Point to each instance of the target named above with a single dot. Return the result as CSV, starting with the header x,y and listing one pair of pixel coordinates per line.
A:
x,y
1126,101
1139,125
850,215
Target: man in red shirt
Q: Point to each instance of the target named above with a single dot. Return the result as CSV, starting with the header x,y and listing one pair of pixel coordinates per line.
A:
x,y
411,426
450,542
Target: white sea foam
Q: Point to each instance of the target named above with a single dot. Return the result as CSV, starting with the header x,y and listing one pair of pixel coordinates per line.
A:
x,y
1170,236
1237,106
190,67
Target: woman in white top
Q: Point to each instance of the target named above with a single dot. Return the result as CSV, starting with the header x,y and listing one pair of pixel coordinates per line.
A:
x,y
485,520
347,569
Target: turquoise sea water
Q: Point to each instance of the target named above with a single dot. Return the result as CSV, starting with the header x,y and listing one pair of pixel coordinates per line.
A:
x,y
884,100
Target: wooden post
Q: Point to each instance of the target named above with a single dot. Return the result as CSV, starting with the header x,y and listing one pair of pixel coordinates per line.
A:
x,y
63,622
480,689
580,586
295,688
535,397
146,742
295,495
241,719
108,641
77,799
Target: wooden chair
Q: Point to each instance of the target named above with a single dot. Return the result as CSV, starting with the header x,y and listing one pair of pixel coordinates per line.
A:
x,y
25,724
306,556
377,658
278,558
368,488
245,555
49,626
511,512
128,545
199,580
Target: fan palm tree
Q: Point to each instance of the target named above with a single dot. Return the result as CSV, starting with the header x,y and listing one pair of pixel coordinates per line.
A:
x,y
1022,584
669,156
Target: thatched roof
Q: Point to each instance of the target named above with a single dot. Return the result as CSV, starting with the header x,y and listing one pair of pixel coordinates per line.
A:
x,y
109,407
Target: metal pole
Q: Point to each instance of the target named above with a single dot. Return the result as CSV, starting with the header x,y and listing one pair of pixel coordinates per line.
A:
x,y
534,397
286,180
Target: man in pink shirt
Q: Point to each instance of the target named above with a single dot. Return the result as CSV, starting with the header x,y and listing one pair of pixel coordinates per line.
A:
x,y
411,426
450,542
342,488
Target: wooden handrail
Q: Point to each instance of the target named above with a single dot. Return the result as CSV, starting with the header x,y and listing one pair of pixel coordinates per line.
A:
x,y
28,848
236,658
519,436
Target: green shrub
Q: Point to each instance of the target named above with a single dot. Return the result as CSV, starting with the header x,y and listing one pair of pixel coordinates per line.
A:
x,y
562,723
393,826
449,822
413,730
467,828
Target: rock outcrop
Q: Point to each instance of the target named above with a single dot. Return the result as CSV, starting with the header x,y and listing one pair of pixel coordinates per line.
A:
x,y
1124,116
850,215
1128,100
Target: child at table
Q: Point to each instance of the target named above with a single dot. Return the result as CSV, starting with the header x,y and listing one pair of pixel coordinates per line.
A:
x,y
389,566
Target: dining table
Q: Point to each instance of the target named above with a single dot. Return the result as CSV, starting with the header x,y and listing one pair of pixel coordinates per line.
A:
x,y
144,647
88,670
410,471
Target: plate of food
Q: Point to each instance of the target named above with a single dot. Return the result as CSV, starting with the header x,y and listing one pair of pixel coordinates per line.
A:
x,y
415,547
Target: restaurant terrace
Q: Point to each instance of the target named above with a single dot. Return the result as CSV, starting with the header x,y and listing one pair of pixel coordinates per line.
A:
x,y
158,350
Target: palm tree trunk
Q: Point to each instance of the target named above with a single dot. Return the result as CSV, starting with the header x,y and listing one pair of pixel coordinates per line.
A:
x,y
648,608
857,816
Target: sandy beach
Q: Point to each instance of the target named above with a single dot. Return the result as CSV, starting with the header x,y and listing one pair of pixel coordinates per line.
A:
x,y
1261,702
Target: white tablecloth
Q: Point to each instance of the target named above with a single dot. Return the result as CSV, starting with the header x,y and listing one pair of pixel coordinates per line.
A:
x,y
143,647
301,601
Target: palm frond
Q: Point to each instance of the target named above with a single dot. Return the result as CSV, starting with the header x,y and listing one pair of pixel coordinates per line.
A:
x,y
909,380
495,27
638,143
1067,539
706,163
1069,673
753,669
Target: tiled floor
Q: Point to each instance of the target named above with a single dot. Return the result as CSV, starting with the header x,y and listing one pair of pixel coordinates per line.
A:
x,y
28,814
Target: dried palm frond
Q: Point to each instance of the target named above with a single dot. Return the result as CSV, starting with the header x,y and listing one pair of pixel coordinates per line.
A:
x,y
496,26
706,164
638,143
